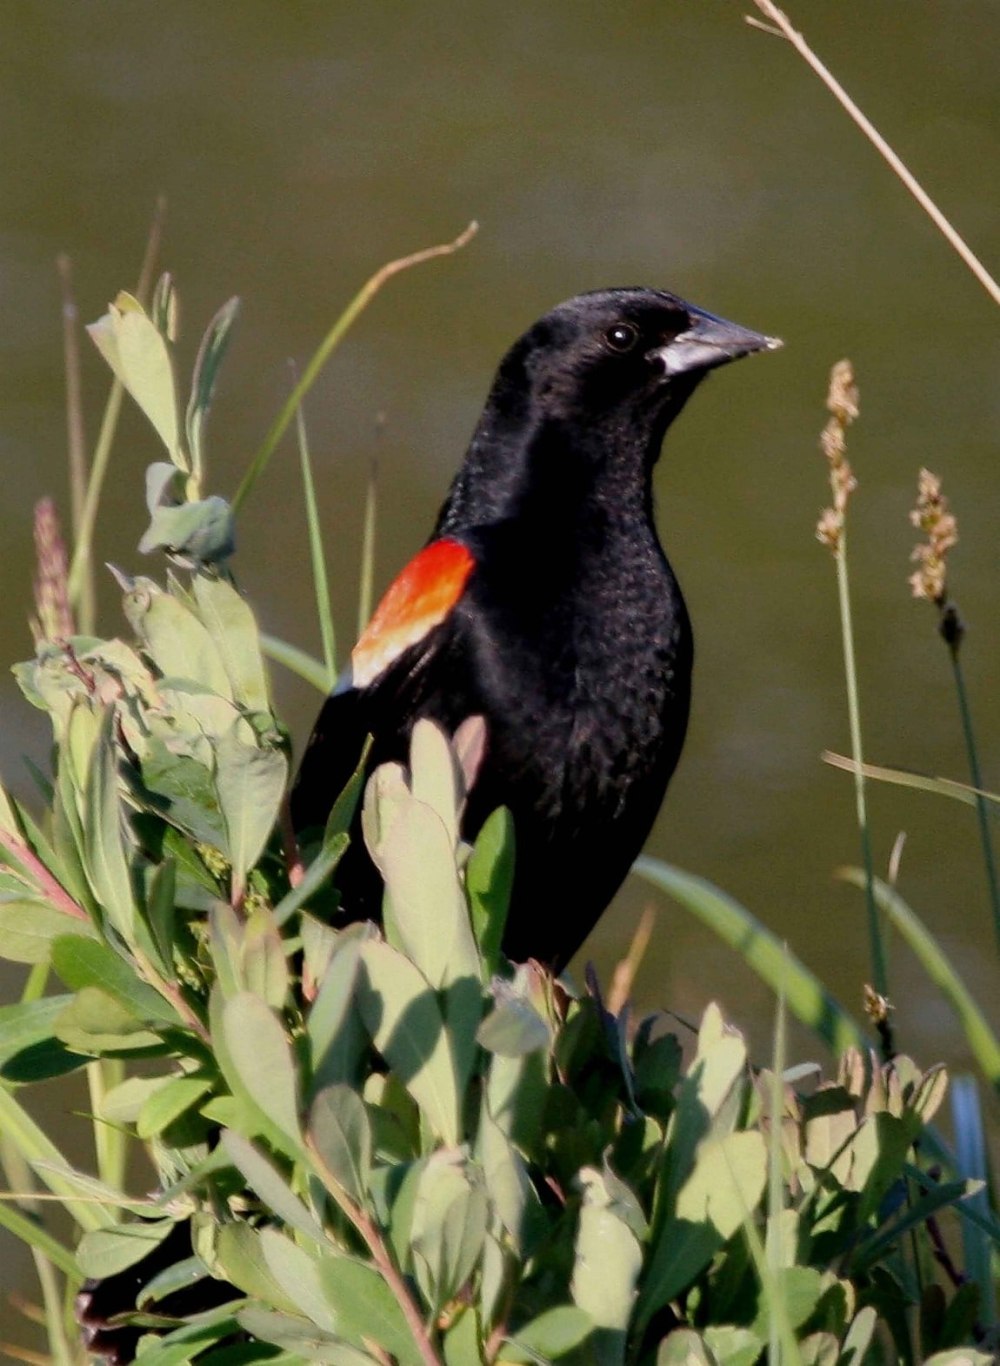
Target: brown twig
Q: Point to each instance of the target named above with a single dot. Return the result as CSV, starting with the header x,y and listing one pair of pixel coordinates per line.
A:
x,y
373,1240
782,25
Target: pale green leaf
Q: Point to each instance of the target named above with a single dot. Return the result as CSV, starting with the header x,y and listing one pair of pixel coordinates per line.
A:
x,y
264,1178
106,1251
229,619
403,1017
28,927
262,1057
250,783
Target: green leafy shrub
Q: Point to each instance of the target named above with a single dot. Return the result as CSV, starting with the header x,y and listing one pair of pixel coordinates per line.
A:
x,y
394,1145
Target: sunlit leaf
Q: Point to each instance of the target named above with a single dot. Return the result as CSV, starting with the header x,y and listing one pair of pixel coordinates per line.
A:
x,y
228,617
260,1052
28,927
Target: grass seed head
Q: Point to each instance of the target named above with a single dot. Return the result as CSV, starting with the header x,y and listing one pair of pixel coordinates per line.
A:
x,y
842,404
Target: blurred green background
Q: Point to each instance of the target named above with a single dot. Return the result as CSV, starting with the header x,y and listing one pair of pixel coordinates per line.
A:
x,y
301,144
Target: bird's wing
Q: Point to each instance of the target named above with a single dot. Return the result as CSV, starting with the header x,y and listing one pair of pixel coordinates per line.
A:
x,y
416,601
383,689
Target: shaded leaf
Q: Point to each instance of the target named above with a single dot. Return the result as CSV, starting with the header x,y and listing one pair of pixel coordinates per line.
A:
x,y
263,1177
106,1251
340,1136
230,620
489,877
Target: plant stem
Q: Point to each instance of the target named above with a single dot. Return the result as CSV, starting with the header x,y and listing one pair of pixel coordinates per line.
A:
x,y
76,439
47,884
878,966
381,1256
335,335
321,584
982,810
366,587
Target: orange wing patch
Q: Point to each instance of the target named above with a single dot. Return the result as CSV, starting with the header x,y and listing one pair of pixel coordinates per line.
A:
x,y
417,601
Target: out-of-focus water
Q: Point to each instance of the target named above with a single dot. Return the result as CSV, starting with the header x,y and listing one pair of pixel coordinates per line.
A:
x,y
299,145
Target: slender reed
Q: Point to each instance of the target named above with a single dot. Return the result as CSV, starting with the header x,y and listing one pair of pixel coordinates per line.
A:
x,y
782,28
321,586
932,516
831,530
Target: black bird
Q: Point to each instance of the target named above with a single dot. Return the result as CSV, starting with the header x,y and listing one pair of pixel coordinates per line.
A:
x,y
544,602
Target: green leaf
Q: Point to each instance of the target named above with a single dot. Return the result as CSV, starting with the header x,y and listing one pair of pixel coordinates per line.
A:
x,y
317,873
97,1023
434,777
29,1049
263,962
206,371
449,1225
82,962
606,1269
121,1105
106,861
262,1057
250,783
340,1136
240,1256
298,1275
187,789
365,1308
195,534
403,1017
231,622
416,856
763,951
106,1251
726,1185
732,1346
28,927
489,877
551,1334
684,1347
181,646
263,1177
140,357
300,1339
514,1027
332,1021
169,1102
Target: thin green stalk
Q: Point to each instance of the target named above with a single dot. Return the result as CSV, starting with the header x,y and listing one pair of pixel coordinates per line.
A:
x,y
329,343
18,1174
109,1140
366,587
60,1351
321,586
774,1245
982,810
34,1146
879,972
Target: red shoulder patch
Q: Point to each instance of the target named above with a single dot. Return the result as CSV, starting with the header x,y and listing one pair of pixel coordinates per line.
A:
x,y
416,601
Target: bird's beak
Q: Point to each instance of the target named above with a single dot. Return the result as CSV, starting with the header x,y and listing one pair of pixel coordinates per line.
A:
x,y
707,343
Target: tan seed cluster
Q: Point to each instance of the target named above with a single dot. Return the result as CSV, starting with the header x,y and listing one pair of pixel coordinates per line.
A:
x,y
54,620
932,517
842,403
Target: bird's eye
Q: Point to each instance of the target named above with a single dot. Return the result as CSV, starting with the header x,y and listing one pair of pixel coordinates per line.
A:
x,y
622,337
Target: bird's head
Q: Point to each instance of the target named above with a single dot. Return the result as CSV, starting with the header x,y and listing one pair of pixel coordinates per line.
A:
x,y
591,386
621,354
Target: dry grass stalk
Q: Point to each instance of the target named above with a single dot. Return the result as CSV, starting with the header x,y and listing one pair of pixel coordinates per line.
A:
x,y
932,516
54,619
842,403
780,26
